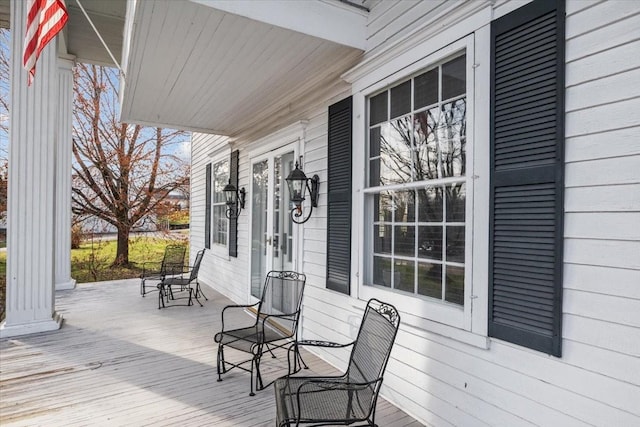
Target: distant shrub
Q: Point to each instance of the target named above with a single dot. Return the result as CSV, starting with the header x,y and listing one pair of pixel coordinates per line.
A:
x,y
76,236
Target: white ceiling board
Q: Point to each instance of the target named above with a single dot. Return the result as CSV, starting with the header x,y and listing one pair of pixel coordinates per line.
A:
x,y
199,68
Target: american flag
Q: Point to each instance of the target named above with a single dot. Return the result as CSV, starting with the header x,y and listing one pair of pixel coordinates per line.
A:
x,y
45,19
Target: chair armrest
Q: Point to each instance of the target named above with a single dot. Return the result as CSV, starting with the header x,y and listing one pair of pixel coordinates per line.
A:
x,y
294,347
319,343
235,306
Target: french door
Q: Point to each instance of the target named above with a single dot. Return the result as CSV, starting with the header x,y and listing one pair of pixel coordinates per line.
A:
x,y
272,242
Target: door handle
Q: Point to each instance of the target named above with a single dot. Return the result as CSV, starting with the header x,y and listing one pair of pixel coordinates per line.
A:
x,y
267,240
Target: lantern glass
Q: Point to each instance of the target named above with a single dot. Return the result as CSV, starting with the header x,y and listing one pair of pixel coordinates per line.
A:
x,y
230,193
297,182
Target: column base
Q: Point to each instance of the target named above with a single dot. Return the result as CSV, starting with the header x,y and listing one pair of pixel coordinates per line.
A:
x,y
7,331
63,286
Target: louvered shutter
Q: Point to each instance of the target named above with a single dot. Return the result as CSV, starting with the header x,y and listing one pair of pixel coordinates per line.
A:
x,y
207,208
233,222
339,197
527,140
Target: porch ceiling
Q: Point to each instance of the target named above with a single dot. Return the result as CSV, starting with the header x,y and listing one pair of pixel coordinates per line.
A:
x,y
81,40
226,68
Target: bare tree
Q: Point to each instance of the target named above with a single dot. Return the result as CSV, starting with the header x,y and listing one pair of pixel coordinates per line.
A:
x,y
121,171
5,42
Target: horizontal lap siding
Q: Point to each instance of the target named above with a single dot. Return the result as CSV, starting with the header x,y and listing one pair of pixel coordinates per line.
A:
x,y
602,206
224,273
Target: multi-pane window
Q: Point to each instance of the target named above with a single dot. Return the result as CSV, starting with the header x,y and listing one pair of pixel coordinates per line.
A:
x,y
218,206
416,193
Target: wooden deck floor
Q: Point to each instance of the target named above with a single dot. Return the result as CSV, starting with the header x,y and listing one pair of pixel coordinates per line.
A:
x,y
119,361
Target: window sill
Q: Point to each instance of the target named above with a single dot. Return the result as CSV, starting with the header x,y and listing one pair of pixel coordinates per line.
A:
x,y
445,323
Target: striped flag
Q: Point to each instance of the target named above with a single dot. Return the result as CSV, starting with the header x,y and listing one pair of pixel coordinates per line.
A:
x,y
45,19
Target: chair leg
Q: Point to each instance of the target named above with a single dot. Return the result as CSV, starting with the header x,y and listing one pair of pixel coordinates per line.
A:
x,y
256,363
219,358
220,362
299,359
160,296
199,291
142,287
195,295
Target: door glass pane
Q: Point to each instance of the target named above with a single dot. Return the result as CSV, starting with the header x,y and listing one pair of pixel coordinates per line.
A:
x,y
259,198
282,299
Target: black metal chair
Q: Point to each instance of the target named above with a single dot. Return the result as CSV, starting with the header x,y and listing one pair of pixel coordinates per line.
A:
x,y
275,325
172,263
345,399
184,283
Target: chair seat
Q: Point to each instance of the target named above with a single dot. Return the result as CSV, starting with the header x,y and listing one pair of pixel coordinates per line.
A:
x,y
320,400
245,339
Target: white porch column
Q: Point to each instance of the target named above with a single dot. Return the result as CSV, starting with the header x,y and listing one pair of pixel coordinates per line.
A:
x,y
31,202
62,239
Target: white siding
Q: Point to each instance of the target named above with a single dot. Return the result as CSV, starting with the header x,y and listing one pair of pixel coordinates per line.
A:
x,y
443,381
224,273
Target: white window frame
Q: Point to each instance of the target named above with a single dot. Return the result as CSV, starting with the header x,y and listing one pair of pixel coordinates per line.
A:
x,y
468,323
218,249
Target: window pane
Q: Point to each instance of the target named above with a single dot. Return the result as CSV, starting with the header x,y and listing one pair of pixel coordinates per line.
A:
x,y
454,81
403,275
374,142
374,173
430,204
455,244
220,179
384,206
378,109
219,225
456,200
430,242
454,285
382,239
404,206
395,152
430,280
401,99
452,139
426,140
405,240
426,89
382,271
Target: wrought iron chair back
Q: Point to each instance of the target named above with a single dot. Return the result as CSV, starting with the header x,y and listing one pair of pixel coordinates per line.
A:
x,y
173,259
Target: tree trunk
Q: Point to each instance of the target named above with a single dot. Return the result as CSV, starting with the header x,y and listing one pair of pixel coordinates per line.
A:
x,y
122,251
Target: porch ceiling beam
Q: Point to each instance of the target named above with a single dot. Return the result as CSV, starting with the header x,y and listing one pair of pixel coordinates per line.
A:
x,y
327,20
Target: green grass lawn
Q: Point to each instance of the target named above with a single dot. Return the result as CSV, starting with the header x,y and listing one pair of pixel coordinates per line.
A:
x,y
92,261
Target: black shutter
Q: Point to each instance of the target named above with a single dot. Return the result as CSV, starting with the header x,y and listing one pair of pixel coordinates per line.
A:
x,y
207,208
339,197
527,163
233,222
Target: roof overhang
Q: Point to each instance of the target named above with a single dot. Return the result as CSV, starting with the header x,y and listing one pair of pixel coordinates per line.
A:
x,y
227,67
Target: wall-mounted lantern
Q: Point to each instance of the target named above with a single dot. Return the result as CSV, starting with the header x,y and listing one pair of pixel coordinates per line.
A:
x,y
298,185
235,200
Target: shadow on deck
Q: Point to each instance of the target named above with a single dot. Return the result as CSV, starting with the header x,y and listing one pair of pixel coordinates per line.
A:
x,y
118,360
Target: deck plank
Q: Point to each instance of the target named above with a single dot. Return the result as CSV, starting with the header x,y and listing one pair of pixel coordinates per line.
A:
x,y
118,360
